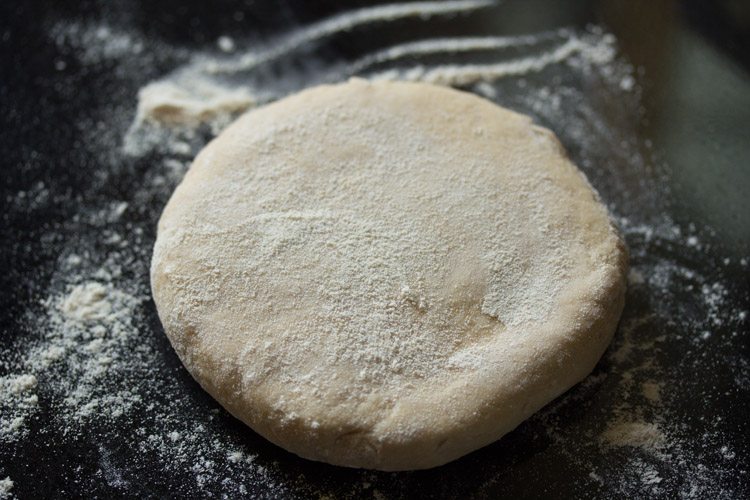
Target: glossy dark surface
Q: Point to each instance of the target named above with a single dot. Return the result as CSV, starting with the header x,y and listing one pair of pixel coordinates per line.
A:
x,y
695,117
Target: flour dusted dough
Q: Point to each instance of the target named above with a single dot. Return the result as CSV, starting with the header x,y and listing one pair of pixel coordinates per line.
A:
x,y
386,275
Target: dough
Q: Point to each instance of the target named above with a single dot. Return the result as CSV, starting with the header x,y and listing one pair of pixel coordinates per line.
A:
x,y
386,275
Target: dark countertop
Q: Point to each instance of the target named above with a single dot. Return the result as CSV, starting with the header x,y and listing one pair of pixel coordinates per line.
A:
x,y
670,156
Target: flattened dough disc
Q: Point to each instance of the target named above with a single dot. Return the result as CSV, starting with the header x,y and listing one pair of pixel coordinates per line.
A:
x,y
386,275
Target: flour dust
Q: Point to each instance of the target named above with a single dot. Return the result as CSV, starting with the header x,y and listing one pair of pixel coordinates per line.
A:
x,y
90,362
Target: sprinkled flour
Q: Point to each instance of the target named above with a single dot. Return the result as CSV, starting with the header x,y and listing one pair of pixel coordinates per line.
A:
x,y
639,434
87,377
18,401
5,486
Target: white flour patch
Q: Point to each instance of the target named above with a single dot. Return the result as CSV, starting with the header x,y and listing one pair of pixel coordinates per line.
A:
x,y
5,486
641,434
18,401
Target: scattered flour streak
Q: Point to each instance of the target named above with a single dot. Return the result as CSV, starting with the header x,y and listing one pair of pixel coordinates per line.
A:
x,y
449,46
346,22
467,74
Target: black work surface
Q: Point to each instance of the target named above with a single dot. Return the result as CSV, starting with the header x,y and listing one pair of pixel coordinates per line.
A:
x,y
684,330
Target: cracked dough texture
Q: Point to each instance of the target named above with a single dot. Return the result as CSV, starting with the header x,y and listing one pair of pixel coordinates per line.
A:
x,y
386,275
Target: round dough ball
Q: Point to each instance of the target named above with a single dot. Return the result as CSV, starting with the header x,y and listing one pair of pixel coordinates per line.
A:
x,y
386,275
